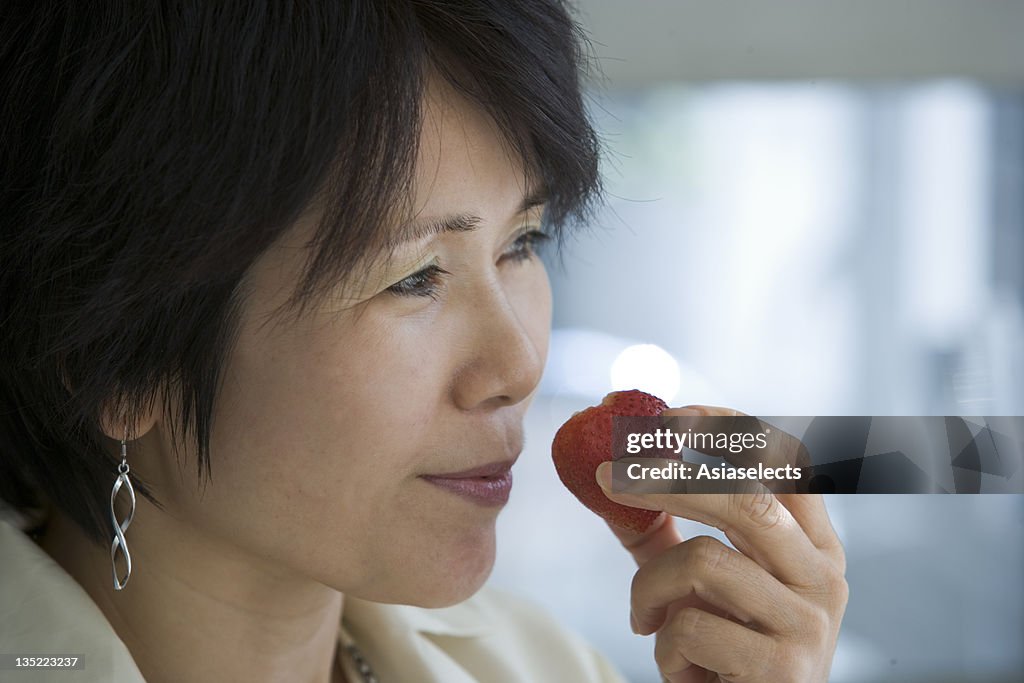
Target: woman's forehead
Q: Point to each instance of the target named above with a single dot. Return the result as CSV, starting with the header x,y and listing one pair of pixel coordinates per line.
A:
x,y
460,145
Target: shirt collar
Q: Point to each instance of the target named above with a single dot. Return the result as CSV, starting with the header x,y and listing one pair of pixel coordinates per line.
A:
x,y
43,609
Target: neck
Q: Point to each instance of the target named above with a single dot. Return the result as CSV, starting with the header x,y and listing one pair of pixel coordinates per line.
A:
x,y
198,609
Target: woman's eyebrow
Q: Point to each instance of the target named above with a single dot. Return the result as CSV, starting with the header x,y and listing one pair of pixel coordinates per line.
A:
x,y
460,222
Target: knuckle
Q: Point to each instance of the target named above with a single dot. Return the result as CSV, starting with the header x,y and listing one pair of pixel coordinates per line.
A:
x,y
665,652
840,558
820,624
754,662
836,554
789,664
840,593
760,509
834,588
688,622
675,641
707,555
796,672
668,655
811,622
700,555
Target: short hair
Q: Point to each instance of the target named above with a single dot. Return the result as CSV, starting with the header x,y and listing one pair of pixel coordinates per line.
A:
x,y
151,151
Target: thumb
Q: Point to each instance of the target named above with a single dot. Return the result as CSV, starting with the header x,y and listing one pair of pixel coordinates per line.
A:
x,y
662,533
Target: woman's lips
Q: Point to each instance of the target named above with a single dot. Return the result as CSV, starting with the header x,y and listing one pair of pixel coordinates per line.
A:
x,y
491,490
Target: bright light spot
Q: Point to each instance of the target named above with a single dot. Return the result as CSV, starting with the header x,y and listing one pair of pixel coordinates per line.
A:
x,y
649,368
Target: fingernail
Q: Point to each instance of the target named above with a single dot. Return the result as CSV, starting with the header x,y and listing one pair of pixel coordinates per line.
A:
x,y
633,623
604,475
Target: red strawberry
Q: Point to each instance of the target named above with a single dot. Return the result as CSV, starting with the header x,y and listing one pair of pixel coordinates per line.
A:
x,y
585,441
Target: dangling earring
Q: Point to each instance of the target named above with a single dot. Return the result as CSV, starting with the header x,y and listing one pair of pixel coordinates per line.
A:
x,y
119,529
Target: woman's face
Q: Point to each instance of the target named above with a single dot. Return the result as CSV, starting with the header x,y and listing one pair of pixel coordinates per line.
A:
x,y
325,426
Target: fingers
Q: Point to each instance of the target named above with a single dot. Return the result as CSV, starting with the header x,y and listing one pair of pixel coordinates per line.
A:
x,y
722,577
767,611
780,449
694,638
661,536
752,518
808,509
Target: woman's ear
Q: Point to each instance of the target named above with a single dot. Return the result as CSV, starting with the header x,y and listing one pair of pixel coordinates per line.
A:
x,y
118,423
117,420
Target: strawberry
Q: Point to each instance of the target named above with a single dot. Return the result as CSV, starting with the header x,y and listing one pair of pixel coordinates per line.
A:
x,y
585,441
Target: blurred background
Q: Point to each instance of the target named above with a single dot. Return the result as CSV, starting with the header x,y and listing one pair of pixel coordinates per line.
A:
x,y
814,208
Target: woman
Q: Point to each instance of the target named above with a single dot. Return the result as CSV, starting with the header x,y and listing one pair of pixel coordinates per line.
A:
x,y
273,267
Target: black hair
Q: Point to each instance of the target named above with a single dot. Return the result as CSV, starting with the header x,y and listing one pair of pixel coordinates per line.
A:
x,y
151,151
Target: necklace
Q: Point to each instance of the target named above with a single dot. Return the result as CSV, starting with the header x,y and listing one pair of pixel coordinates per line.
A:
x,y
359,662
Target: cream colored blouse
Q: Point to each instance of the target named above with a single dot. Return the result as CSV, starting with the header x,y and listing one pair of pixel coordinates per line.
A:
x,y
493,637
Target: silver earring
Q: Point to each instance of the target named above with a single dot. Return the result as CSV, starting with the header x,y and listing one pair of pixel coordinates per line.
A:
x,y
119,528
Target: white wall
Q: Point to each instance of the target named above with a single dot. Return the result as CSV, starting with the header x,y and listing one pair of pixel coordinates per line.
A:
x,y
650,41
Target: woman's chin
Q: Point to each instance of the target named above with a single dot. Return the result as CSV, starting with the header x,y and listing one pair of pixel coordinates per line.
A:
x,y
434,571
453,588
451,579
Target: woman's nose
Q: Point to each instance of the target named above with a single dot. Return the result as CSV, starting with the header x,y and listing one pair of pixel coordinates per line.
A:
x,y
506,352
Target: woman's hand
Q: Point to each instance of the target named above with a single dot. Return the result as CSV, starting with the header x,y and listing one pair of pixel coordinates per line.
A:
x,y
768,611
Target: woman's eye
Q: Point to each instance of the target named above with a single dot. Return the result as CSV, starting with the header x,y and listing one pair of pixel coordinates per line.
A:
x,y
527,245
428,281
424,282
